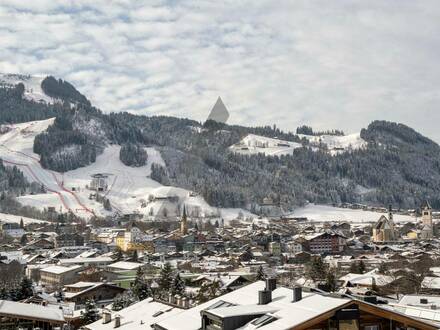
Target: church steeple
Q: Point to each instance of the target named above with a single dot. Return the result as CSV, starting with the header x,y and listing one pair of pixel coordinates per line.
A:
x,y
390,213
184,222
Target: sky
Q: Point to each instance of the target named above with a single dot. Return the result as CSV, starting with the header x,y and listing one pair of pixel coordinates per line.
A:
x,y
328,64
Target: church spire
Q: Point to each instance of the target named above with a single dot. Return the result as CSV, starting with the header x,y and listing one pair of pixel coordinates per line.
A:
x,y
184,222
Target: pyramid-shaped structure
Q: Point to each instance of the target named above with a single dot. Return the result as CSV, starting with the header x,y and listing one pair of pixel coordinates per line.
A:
x,y
219,113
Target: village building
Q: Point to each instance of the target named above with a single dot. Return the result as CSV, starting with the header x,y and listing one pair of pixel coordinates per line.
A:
x,y
99,182
326,242
69,239
55,277
12,229
384,230
100,293
267,306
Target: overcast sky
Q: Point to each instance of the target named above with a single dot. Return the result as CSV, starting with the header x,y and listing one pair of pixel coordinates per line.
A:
x,y
328,64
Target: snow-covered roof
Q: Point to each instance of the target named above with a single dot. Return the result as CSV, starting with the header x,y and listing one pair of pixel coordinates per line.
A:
x,y
138,316
86,260
288,314
367,279
415,300
9,308
59,269
126,265
431,282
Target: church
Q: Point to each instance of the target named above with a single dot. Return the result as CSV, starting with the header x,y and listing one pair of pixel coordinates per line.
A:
x,y
383,230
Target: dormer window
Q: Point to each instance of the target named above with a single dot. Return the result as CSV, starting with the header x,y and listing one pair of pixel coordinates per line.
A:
x,y
263,320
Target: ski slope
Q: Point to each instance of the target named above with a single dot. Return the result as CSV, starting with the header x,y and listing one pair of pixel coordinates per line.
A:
x,y
254,144
130,189
16,148
32,86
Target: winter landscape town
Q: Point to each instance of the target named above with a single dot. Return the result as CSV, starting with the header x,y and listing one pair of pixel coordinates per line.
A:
x,y
136,220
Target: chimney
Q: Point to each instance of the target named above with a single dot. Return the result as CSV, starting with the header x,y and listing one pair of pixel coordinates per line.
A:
x,y
117,321
106,317
297,293
423,301
264,297
185,302
271,284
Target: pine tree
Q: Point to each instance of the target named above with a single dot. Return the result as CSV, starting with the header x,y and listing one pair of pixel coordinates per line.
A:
x,y
213,289
178,286
165,278
23,240
141,289
261,276
330,280
4,294
21,223
90,313
357,267
25,289
123,300
135,257
317,269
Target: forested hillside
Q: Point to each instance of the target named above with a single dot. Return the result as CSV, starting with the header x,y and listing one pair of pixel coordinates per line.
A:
x,y
398,166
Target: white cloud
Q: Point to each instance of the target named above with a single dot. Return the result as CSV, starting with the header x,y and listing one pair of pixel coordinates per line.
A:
x,y
327,64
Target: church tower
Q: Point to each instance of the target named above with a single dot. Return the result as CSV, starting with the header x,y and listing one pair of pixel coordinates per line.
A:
x,y
427,231
390,213
426,213
184,223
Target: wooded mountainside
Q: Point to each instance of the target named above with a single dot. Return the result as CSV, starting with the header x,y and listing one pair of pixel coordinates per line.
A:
x,y
399,166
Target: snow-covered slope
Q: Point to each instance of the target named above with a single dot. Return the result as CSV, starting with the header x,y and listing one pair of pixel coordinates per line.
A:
x,y
254,144
336,143
9,218
130,189
32,85
16,148
329,213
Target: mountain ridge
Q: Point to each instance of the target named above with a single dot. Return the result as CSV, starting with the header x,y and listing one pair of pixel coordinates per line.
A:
x,y
398,165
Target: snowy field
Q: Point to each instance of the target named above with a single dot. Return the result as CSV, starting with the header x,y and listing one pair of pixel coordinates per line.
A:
x,y
328,213
254,144
9,218
32,86
335,143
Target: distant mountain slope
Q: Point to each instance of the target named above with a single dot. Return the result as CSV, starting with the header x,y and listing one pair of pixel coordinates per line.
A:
x,y
386,163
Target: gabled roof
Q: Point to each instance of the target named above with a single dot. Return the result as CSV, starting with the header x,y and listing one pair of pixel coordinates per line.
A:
x,y
138,316
31,311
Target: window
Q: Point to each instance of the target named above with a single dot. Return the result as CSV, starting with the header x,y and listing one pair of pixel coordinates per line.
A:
x,y
220,303
371,327
263,320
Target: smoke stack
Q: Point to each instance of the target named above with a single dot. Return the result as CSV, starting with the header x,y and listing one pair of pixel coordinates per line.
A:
x,y
271,284
117,321
264,297
106,317
297,293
